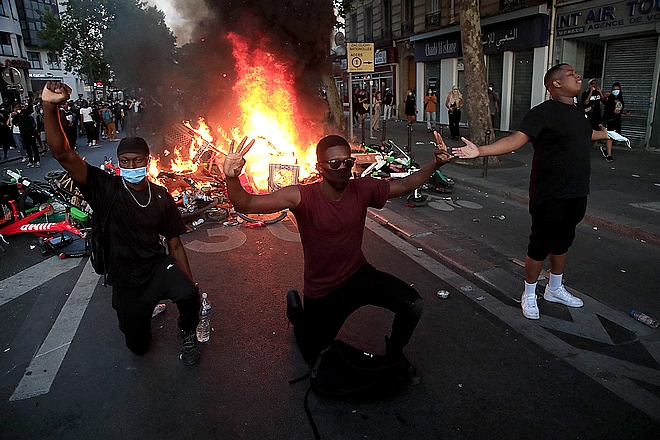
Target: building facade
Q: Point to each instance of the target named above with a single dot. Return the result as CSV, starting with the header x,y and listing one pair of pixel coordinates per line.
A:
x,y
418,46
616,41
24,66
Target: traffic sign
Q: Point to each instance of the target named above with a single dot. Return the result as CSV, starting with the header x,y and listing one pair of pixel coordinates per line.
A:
x,y
12,76
360,57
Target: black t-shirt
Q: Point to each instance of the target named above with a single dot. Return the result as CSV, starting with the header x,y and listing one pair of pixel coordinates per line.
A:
x,y
593,108
561,136
134,232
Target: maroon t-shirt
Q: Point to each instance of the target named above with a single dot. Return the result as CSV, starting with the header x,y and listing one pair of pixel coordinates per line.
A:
x,y
331,232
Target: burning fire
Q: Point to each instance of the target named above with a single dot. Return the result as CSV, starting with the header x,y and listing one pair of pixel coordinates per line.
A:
x,y
269,113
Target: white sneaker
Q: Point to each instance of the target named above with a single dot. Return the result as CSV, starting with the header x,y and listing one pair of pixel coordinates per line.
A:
x,y
561,296
529,308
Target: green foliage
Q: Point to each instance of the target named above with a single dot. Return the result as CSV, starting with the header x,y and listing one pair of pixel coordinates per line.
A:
x,y
124,39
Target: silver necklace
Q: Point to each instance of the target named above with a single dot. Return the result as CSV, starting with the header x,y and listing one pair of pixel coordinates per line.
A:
x,y
131,193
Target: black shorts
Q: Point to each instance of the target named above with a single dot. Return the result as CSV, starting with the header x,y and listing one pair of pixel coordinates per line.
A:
x,y
553,225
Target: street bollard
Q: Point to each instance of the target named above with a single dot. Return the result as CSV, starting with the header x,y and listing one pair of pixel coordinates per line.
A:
x,y
363,134
484,170
409,137
384,134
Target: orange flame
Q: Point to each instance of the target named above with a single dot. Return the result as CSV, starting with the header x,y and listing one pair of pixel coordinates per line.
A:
x,y
269,114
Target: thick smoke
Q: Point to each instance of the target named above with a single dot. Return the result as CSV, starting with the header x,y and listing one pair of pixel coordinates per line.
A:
x,y
295,31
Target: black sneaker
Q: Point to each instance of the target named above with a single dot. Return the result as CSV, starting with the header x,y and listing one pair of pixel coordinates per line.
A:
x,y
608,158
603,151
397,354
189,354
294,308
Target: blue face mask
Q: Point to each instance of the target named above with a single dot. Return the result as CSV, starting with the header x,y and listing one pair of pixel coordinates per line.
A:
x,y
616,92
133,175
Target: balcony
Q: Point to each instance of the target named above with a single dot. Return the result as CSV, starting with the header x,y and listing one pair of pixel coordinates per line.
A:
x,y
407,28
433,21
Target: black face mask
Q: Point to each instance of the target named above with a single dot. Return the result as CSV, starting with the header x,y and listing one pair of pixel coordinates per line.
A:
x,y
337,179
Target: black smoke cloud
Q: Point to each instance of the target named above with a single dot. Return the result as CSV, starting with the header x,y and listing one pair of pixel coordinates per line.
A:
x,y
295,31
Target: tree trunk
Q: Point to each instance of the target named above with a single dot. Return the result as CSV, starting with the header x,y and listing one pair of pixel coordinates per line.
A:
x,y
475,73
336,107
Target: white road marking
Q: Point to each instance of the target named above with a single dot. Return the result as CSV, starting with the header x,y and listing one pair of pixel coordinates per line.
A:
x,y
613,374
41,372
33,277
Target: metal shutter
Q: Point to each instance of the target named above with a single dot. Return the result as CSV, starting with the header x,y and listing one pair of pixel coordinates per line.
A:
x,y
631,62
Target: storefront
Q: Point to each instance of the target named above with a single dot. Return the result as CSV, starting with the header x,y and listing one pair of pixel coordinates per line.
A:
x,y
14,85
383,77
617,42
516,46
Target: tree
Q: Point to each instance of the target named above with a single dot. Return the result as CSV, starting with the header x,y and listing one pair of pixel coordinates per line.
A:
x,y
475,71
77,37
138,45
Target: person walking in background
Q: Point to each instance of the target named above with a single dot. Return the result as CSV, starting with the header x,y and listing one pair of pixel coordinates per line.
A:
x,y
6,138
388,101
362,106
410,107
16,132
378,103
559,181
493,103
430,102
109,120
28,134
612,117
591,100
454,102
88,122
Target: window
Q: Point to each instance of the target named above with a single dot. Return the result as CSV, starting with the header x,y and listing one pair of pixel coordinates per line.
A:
x,y
2,9
353,23
19,40
5,44
368,24
34,59
387,14
53,61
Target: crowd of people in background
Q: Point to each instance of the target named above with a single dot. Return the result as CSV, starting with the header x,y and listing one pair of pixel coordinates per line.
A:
x,y
22,125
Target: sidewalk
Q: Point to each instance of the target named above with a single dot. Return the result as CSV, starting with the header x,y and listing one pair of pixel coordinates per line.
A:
x,y
625,194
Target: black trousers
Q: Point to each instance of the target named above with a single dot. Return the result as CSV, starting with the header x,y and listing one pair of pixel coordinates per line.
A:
x,y
30,146
324,317
134,306
454,119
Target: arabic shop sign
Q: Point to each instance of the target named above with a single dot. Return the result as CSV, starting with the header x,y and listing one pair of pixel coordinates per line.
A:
x,y
592,20
500,37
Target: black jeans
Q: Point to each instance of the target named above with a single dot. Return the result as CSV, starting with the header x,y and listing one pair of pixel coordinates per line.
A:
x,y
30,146
134,306
454,119
324,317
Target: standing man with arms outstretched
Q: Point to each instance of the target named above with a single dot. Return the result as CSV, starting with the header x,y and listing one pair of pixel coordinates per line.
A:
x,y
138,213
331,216
559,184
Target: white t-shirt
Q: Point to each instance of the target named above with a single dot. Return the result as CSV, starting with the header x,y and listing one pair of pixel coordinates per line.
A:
x,y
86,114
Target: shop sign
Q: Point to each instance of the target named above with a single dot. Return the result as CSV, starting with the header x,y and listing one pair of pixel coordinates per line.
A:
x,y
499,37
21,64
592,20
380,57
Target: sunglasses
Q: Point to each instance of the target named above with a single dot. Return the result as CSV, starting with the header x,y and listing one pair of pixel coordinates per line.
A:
x,y
336,163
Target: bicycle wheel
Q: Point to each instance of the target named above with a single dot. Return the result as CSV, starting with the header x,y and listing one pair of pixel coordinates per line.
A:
x,y
268,219
217,214
31,198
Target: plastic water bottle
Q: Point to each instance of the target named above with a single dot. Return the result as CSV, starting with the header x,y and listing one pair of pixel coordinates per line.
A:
x,y
204,326
646,319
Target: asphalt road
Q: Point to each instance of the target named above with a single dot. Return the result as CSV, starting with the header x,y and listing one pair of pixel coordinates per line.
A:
x,y
487,372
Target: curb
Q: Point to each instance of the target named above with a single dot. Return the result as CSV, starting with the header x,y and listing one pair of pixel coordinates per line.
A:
x,y
635,229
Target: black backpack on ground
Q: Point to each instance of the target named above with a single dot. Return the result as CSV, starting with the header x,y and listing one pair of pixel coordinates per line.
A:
x,y
347,373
